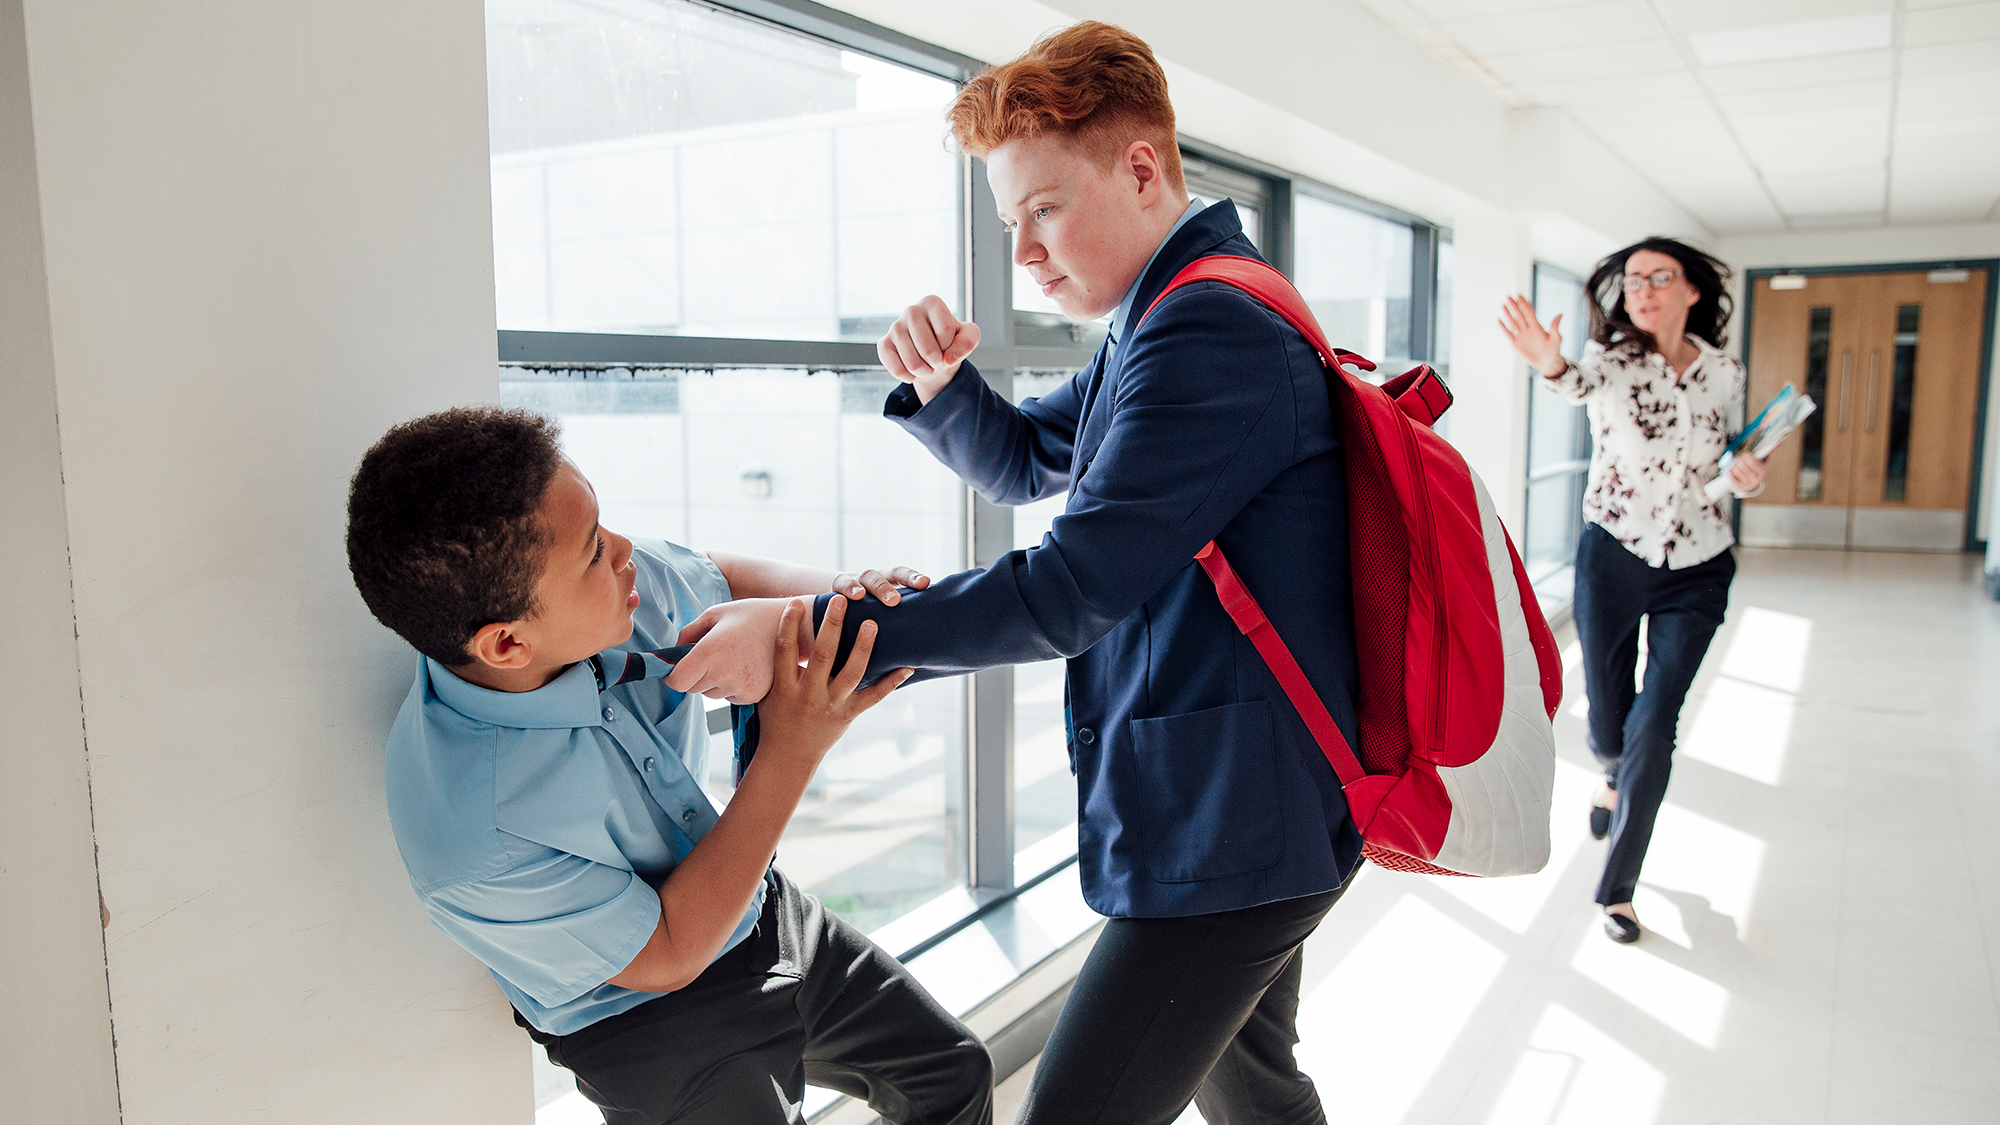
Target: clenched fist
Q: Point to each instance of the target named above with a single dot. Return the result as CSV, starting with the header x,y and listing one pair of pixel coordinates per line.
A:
x,y
925,346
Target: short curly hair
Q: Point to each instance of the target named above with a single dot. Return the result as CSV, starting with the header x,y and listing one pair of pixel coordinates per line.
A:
x,y
1095,85
442,534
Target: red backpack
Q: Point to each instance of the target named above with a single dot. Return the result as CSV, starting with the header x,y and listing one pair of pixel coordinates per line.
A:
x,y
1460,678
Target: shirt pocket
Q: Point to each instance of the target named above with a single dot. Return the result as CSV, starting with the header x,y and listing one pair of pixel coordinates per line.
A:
x,y
1208,793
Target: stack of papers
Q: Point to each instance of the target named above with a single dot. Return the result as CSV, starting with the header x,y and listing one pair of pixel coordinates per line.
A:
x,y
1780,416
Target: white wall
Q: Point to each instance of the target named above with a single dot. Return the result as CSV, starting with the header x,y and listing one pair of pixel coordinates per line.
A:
x,y
55,1049
1942,243
267,237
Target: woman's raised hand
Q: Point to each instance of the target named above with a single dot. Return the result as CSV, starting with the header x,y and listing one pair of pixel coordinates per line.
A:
x,y
1541,347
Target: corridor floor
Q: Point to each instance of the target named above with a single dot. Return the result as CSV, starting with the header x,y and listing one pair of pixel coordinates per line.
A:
x,y
1822,898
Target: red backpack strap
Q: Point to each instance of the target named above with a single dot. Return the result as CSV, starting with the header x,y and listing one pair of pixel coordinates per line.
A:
x,y
1249,617
1275,292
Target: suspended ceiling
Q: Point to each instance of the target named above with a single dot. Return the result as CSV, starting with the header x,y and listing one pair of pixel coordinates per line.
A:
x,y
1756,115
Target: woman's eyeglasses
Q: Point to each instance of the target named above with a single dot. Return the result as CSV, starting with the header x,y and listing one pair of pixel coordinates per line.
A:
x,y
1658,279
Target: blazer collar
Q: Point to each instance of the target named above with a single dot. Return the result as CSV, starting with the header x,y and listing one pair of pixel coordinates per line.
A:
x,y
1203,235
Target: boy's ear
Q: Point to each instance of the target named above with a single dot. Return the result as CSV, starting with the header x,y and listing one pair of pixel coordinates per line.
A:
x,y
500,645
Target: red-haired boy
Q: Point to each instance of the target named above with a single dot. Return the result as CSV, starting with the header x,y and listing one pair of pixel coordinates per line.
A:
x,y
1211,830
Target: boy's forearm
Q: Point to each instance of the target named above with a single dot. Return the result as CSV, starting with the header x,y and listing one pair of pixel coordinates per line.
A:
x,y
703,899
751,577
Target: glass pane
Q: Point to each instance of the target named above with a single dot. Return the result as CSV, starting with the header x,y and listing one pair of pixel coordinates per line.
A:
x,y
1558,431
664,168
1902,390
1253,224
789,465
1555,505
1447,274
1354,271
1044,788
1812,435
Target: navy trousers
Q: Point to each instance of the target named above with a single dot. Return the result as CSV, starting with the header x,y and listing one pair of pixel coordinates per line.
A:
x,y
1632,730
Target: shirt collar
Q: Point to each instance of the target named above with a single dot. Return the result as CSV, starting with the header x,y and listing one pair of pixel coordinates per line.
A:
x,y
1124,312
569,700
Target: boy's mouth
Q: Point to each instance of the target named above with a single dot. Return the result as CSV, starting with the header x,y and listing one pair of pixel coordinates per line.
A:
x,y
1049,286
632,599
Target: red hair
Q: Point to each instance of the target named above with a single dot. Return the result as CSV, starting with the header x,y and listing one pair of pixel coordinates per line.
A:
x,y
1096,86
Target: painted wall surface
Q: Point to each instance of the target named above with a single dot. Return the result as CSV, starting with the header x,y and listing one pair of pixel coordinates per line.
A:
x,y
267,231
1879,245
55,1050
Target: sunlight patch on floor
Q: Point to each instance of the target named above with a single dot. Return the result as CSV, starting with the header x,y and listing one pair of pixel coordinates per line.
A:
x,y
1706,860
1573,1074
1690,1004
1769,649
1743,728
1418,976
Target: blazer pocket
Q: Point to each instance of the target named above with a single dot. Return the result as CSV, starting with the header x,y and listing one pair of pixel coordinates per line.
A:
x,y
1208,793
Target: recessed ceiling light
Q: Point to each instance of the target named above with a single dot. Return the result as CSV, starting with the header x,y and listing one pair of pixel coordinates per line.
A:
x,y
1799,40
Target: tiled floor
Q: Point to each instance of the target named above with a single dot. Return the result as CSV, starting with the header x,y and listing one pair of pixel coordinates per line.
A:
x,y
1822,897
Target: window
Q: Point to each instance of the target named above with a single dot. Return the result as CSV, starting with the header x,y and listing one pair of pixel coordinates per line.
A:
x,y
1354,270
663,168
1558,450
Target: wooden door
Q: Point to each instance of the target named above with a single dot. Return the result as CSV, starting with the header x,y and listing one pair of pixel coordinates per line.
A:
x,y
1893,361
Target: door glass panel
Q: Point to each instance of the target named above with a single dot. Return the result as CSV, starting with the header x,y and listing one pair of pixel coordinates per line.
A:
x,y
1812,435
1902,388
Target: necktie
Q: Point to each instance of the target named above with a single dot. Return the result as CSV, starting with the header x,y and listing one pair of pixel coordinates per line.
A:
x,y
613,667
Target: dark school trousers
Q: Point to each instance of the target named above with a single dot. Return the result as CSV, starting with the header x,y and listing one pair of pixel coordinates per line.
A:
x,y
1631,731
804,998
1168,1010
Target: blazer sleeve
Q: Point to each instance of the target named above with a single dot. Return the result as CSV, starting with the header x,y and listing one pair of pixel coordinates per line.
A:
x,y
1008,454
1205,416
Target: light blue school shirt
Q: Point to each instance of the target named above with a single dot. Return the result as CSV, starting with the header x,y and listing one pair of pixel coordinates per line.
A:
x,y
537,826
1123,314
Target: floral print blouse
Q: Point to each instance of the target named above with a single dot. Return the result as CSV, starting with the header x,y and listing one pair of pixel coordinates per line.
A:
x,y
1657,440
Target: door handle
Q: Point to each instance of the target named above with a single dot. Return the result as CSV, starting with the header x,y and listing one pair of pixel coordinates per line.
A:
x,y
1846,378
1874,384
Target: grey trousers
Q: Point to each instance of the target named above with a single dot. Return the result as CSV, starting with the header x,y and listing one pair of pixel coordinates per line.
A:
x,y
805,998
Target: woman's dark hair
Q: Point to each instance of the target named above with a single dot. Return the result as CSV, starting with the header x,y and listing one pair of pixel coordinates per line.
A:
x,y
442,534
1708,319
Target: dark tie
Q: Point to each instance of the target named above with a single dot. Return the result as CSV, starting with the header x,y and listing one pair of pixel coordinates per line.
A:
x,y
616,666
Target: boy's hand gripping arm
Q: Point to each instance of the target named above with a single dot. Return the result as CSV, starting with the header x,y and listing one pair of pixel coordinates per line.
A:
x,y
703,899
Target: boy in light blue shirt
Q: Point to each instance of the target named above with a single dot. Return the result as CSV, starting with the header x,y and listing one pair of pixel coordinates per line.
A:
x,y
549,814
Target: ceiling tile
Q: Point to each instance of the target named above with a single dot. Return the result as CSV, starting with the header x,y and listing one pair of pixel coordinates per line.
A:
x,y
1851,95
1442,11
1656,56
1983,54
1614,91
1600,26
1847,193
1973,87
1867,66
1951,25
1694,16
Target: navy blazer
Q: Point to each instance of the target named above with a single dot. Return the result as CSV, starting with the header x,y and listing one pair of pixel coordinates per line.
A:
x,y
1199,787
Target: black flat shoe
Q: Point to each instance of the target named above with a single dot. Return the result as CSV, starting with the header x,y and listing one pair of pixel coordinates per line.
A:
x,y
1621,929
1600,822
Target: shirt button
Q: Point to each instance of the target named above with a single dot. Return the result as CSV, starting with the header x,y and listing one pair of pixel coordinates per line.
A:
x,y
687,816
610,714
1085,735
649,765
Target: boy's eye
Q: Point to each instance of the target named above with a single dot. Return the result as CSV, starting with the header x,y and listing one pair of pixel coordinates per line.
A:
x,y
1043,212
595,558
